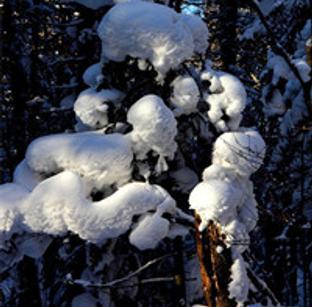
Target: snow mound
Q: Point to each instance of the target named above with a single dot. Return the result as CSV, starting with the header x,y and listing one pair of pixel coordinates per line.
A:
x,y
227,99
91,107
185,95
102,160
154,128
149,31
243,151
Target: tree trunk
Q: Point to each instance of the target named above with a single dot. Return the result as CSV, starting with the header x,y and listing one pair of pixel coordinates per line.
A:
x,y
214,266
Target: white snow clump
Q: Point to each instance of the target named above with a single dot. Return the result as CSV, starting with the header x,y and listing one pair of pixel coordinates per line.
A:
x,y
239,285
227,99
91,106
185,95
102,160
153,32
154,128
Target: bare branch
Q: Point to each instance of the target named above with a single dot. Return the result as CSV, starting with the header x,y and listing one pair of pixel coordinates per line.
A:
x,y
112,283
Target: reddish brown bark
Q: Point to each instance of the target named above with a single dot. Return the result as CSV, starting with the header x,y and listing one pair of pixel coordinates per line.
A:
x,y
214,266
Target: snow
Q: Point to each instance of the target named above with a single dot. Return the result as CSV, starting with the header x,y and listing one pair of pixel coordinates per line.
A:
x,y
154,128
102,160
59,204
151,32
215,200
185,95
43,210
227,96
67,102
151,229
281,68
112,216
177,230
199,31
91,107
239,285
93,75
225,197
243,150
303,68
25,176
248,212
225,194
11,195
236,235
33,245
267,6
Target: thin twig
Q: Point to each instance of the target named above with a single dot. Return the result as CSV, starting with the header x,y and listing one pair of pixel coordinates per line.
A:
x,y
112,283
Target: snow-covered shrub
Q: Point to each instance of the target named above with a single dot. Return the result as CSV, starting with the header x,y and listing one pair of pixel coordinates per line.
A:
x,y
153,129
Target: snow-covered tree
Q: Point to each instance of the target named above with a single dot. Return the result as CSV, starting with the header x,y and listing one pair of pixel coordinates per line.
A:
x,y
114,190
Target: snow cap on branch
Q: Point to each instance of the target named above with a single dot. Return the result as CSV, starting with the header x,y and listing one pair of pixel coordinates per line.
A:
x,y
101,159
185,95
59,204
153,32
154,127
226,97
243,151
91,106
